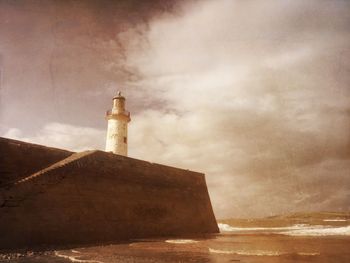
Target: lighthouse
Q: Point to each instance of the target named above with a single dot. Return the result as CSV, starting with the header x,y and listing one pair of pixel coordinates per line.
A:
x,y
117,130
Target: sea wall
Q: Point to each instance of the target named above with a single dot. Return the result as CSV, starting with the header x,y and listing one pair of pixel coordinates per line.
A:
x,y
19,159
97,197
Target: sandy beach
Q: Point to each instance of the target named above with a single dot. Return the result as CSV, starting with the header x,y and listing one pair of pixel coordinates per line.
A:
x,y
221,248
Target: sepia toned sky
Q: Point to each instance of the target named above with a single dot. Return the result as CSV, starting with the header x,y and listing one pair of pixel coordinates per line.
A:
x,y
255,94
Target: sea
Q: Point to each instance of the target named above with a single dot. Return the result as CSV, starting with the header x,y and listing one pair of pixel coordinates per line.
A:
x,y
328,241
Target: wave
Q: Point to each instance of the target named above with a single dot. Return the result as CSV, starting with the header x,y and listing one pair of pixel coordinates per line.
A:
x,y
295,230
76,259
245,253
325,231
260,253
228,228
308,253
335,220
181,241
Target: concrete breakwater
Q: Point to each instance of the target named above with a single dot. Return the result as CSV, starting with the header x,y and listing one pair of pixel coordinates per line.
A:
x,y
55,197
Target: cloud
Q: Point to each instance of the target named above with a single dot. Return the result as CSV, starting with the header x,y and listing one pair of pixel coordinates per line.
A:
x,y
253,94
62,136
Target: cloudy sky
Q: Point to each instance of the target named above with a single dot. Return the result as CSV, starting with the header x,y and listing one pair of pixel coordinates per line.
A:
x,y
255,94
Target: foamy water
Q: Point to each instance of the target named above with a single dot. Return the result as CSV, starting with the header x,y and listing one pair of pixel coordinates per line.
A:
x,y
294,230
259,253
245,253
181,241
335,220
320,231
76,258
228,228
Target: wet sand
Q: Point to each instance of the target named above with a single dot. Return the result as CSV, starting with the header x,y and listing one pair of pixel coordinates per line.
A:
x,y
227,247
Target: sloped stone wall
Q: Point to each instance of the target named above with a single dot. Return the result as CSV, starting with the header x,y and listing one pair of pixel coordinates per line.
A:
x,y
19,159
98,197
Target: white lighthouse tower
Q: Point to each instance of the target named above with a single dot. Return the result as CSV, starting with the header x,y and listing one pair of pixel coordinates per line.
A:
x,y
117,131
